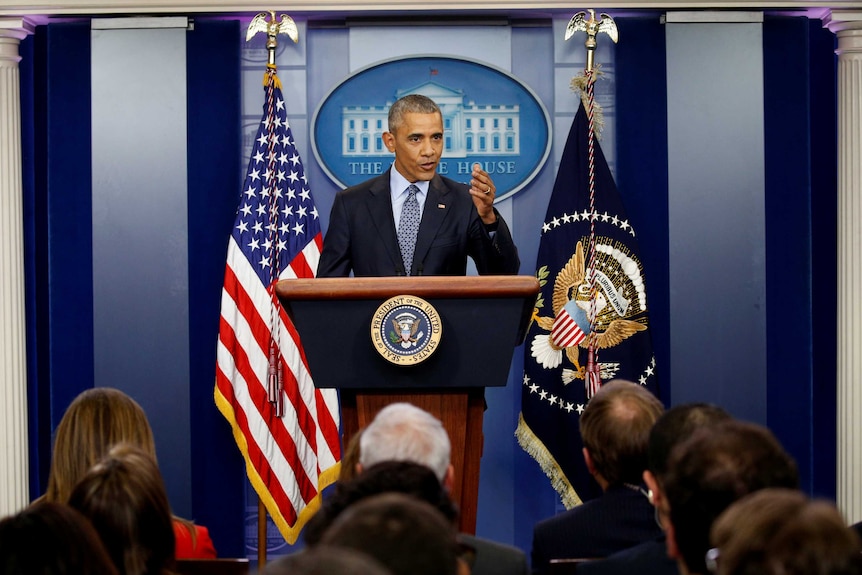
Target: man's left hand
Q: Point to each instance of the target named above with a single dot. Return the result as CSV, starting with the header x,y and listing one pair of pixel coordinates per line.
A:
x,y
482,189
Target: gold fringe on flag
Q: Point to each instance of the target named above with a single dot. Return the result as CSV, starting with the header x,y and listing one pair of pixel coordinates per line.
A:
x,y
537,450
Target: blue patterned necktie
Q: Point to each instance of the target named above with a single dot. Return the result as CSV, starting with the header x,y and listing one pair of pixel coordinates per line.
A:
x,y
408,227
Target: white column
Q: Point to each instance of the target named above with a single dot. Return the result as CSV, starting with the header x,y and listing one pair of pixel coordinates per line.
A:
x,y
847,25
13,367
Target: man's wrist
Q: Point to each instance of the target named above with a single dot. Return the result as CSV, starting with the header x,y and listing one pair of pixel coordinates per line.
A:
x,y
492,227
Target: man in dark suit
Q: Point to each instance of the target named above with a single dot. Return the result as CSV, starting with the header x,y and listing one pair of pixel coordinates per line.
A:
x,y
673,427
366,235
615,429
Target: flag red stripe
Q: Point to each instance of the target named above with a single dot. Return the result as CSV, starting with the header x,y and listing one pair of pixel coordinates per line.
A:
x,y
300,266
328,426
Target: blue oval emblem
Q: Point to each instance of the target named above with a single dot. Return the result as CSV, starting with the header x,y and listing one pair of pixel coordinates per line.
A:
x,y
488,117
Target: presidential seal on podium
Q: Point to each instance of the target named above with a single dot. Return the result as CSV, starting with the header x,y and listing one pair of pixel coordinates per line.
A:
x,y
406,330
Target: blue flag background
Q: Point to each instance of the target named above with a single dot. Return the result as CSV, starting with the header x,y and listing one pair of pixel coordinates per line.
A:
x,y
554,393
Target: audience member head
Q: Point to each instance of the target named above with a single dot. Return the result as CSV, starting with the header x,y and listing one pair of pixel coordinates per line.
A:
x,y
406,535
96,420
326,560
781,532
350,459
50,538
386,477
404,432
410,104
710,470
124,497
674,426
615,430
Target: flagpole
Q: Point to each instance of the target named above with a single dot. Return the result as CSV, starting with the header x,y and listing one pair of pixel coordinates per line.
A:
x,y
274,379
592,27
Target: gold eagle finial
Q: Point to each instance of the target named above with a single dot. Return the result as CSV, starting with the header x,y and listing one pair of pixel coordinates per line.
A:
x,y
592,27
272,27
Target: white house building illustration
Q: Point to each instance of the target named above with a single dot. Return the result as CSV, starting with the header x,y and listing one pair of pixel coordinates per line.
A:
x,y
468,128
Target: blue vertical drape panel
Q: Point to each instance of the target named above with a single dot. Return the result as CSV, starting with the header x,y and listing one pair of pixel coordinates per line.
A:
x,y
787,118
58,258
214,184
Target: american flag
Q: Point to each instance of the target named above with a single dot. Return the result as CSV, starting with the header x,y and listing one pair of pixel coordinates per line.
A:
x,y
286,429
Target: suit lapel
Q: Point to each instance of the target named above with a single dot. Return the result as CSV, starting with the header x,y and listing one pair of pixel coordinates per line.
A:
x,y
380,209
437,206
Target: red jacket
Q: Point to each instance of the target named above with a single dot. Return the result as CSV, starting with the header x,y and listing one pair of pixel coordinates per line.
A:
x,y
203,547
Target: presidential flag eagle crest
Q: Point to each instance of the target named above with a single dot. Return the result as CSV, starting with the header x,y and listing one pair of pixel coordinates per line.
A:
x,y
619,310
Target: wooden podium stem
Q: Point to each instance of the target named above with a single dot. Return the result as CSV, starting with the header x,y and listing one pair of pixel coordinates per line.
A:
x,y
261,534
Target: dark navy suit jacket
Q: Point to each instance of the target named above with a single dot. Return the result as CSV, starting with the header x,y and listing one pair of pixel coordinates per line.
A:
x,y
494,558
620,518
361,236
649,558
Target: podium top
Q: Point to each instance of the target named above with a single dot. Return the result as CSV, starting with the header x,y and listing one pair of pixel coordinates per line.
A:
x,y
420,286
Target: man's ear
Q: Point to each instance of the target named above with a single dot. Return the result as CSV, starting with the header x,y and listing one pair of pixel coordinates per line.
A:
x,y
449,478
653,491
588,459
358,468
389,141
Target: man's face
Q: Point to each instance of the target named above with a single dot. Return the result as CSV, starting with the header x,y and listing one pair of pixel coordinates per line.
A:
x,y
418,144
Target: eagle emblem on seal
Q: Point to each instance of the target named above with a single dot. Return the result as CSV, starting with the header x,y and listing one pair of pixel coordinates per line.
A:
x,y
618,309
406,327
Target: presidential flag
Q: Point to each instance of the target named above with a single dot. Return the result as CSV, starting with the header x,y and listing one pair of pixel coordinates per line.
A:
x,y
590,291
286,429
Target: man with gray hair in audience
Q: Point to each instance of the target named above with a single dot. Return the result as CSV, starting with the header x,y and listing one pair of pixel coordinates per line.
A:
x,y
404,432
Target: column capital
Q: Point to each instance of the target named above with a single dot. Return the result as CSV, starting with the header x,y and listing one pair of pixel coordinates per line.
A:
x,y
18,28
841,20
847,26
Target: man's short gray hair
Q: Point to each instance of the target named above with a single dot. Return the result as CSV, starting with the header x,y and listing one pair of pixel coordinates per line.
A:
x,y
410,104
404,432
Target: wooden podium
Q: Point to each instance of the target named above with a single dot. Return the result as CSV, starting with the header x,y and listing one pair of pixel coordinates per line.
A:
x,y
483,318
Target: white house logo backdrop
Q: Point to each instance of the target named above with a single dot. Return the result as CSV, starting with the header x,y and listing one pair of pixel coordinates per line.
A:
x,y
488,117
